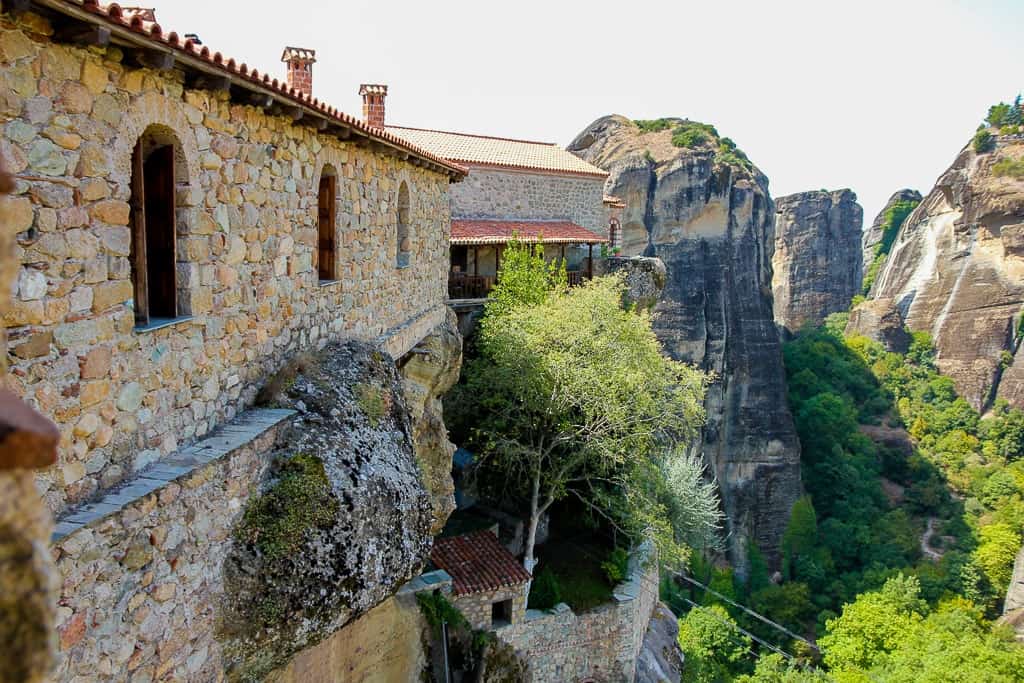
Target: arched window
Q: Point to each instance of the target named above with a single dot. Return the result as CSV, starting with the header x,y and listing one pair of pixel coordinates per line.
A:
x,y
156,165
404,239
614,233
325,231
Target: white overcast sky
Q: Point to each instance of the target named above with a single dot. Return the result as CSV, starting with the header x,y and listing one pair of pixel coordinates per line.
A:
x,y
871,95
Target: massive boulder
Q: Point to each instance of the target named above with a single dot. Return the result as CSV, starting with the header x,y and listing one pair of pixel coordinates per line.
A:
x,y
706,213
956,271
343,520
873,235
817,260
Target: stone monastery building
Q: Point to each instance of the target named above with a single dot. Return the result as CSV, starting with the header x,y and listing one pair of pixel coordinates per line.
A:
x,y
184,224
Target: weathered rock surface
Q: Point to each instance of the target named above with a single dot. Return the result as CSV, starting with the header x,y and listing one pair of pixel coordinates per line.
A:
x,y
430,370
1013,606
873,234
660,658
878,319
956,270
321,544
645,277
712,224
817,259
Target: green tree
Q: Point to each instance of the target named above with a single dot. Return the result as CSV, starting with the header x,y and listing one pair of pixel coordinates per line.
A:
x,y
571,391
774,668
873,625
714,649
997,548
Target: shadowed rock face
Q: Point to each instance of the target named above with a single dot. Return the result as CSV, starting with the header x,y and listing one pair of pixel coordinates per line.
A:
x,y
817,259
873,235
712,226
956,270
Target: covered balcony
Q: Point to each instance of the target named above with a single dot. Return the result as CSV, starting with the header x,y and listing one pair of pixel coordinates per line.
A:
x,y
477,245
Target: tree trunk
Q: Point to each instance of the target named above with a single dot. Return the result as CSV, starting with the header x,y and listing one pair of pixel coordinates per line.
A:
x,y
531,533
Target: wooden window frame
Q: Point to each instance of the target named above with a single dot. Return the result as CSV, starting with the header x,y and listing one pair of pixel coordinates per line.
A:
x,y
153,236
327,229
403,231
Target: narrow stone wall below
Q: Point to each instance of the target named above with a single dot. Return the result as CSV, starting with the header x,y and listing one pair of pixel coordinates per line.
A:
x,y
600,645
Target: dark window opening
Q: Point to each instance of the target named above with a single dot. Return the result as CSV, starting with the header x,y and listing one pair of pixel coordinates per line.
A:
x,y
501,613
326,253
460,258
403,239
153,251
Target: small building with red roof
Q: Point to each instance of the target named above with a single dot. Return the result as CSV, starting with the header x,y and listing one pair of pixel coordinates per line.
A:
x,y
489,585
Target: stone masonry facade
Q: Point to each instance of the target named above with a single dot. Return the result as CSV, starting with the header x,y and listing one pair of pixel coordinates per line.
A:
x,y
531,195
246,221
477,607
600,645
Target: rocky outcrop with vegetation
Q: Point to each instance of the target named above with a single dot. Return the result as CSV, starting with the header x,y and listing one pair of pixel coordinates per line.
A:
x,y
956,270
817,259
878,237
696,202
343,520
428,371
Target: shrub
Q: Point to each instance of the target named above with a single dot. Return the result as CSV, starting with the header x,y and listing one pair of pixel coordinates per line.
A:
x,y
545,591
693,134
616,567
1013,168
983,141
653,125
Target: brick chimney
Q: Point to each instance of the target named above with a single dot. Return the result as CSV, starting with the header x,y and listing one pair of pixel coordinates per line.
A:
x,y
373,103
300,68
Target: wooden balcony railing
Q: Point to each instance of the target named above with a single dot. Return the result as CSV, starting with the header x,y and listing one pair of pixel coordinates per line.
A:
x,y
466,286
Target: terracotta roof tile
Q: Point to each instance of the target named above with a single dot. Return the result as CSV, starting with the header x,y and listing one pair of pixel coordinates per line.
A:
x,y
614,202
477,562
504,152
466,231
150,31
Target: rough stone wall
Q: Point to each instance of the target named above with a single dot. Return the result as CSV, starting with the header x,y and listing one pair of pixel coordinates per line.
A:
x,y
490,193
817,260
602,644
28,578
476,607
956,271
196,579
246,235
712,225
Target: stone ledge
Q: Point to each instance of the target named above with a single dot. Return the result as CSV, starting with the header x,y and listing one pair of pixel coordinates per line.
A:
x,y
225,439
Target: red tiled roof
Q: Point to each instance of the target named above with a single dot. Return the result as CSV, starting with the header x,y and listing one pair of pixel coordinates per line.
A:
x,y
130,22
477,562
466,231
500,152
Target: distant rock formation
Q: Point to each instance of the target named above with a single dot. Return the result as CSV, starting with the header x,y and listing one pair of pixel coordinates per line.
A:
x,y
956,270
874,234
705,211
817,260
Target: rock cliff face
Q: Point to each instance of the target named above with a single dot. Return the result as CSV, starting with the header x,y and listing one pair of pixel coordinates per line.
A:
x,y
817,260
956,270
430,370
873,235
708,216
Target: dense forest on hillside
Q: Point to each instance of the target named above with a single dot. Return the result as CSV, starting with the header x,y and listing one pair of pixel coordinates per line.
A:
x,y
914,509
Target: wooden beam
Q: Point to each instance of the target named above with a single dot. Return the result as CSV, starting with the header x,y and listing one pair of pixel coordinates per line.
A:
x,y
321,124
155,59
260,100
81,33
212,83
344,133
292,111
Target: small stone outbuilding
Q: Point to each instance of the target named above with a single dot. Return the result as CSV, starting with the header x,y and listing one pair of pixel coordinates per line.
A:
x,y
489,585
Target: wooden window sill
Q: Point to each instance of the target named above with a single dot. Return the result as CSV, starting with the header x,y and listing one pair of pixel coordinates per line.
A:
x,y
160,323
